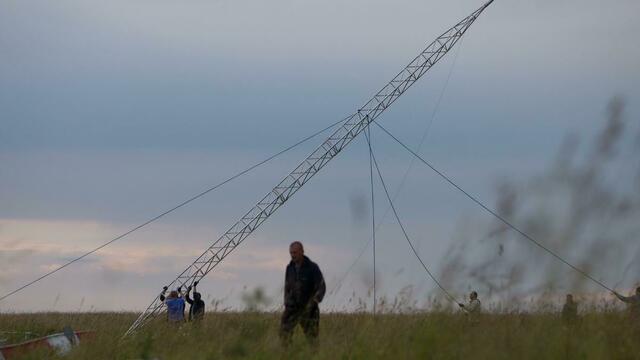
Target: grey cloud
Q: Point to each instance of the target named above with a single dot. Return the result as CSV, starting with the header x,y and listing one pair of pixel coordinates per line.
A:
x,y
115,110
9,259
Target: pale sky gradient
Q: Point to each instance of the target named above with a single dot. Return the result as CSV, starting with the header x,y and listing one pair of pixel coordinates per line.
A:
x,y
115,111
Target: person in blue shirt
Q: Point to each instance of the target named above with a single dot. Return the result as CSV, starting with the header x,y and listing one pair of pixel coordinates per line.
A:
x,y
175,305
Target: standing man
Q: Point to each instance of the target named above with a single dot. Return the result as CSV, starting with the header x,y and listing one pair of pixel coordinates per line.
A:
x,y
569,310
473,308
304,289
634,303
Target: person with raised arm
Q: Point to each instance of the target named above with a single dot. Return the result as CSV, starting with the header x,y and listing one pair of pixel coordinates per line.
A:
x,y
174,303
196,305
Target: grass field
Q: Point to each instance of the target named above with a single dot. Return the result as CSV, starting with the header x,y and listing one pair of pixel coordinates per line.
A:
x,y
598,335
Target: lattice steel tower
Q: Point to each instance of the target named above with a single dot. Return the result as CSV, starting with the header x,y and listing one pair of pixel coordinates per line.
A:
x,y
329,149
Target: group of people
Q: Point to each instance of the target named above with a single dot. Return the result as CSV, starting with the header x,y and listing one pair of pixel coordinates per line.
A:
x,y
569,312
176,304
304,289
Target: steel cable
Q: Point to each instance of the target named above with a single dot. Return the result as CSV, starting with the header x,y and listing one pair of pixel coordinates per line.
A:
x,y
191,199
404,232
493,213
425,134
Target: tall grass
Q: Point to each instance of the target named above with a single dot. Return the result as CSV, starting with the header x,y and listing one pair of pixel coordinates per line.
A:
x,y
438,335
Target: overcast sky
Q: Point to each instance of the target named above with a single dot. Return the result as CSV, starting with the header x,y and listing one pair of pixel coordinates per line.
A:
x,y
112,112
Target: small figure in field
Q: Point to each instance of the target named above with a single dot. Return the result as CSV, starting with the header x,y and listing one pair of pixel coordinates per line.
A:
x,y
569,310
634,303
474,307
304,289
196,308
175,305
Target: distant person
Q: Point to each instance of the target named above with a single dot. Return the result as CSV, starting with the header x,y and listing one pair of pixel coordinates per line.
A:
x,y
569,310
304,289
474,307
634,303
175,305
196,308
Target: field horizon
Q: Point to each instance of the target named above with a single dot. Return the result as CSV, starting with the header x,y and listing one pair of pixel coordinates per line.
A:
x,y
602,334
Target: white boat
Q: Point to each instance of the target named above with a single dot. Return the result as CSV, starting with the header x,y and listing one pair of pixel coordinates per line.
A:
x,y
60,343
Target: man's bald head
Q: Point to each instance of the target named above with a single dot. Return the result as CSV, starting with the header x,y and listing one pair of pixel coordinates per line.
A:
x,y
296,250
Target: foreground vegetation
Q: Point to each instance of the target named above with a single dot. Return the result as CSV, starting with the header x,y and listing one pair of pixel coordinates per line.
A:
x,y
426,336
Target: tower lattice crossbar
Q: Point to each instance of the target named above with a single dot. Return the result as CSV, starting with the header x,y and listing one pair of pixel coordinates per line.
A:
x,y
310,166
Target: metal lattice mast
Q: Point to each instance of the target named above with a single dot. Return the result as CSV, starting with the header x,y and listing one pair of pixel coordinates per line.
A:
x,y
331,147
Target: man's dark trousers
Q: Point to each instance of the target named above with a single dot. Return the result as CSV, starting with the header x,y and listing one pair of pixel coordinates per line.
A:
x,y
308,317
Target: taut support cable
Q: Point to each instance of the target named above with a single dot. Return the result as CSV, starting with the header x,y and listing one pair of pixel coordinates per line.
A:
x,y
494,213
404,232
396,193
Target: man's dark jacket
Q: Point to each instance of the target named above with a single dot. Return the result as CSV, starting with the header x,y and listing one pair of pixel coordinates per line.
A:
x,y
196,310
303,285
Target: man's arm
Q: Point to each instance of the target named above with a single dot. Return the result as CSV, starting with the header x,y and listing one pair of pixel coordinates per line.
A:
x,y
187,296
623,298
319,285
287,286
